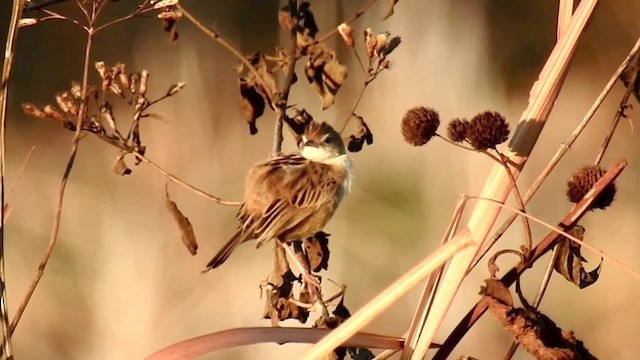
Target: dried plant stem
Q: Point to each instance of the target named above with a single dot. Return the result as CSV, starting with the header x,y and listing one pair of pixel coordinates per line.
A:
x,y
528,243
355,105
562,150
546,244
424,305
63,184
168,175
565,10
281,105
225,44
12,34
498,185
206,344
139,10
351,19
624,104
388,296
544,283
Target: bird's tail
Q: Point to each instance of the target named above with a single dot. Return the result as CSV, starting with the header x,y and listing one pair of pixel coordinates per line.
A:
x,y
238,238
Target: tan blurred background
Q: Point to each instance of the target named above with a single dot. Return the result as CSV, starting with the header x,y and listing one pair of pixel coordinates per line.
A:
x,y
120,284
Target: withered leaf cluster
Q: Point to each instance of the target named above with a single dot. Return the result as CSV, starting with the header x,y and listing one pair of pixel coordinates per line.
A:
x,y
322,69
99,116
534,331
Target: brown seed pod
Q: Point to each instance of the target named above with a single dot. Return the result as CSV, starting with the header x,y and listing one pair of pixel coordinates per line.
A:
x,y
486,130
583,180
457,129
419,125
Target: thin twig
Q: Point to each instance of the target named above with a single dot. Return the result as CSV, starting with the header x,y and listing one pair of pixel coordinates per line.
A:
x,y
22,169
225,44
544,283
516,191
12,35
355,106
624,104
168,175
63,184
351,19
562,150
281,106
139,10
431,287
546,244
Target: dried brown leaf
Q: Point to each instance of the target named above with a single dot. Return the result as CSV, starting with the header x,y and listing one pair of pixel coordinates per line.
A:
x,y
144,79
317,250
120,167
164,3
52,113
569,261
186,229
363,135
66,102
252,103
76,89
325,74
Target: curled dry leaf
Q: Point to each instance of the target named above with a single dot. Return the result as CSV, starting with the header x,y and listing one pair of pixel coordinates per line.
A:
x,y
251,103
120,167
33,110
317,249
255,94
144,79
568,261
298,123
363,135
66,102
390,5
76,89
186,229
325,74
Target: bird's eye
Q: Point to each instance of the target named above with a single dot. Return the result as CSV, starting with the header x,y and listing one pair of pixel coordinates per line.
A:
x,y
327,140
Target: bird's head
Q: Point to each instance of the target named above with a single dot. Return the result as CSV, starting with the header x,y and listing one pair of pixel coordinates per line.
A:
x,y
320,142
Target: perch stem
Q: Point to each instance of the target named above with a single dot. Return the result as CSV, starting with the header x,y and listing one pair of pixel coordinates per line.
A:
x,y
281,104
12,35
63,184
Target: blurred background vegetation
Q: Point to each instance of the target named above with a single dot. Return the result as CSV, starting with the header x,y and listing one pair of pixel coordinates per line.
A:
x,y
120,284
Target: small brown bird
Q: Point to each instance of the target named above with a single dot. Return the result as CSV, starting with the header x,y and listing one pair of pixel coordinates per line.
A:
x,y
291,197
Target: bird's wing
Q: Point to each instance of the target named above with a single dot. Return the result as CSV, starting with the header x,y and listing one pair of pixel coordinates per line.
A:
x,y
287,188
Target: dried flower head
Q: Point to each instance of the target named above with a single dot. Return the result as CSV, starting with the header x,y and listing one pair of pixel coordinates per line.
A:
x,y
419,125
347,34
486,130
583,180
457,129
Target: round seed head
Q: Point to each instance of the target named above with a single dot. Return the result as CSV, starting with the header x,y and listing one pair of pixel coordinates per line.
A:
x,y
419,125
583,180
486,130
456,129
